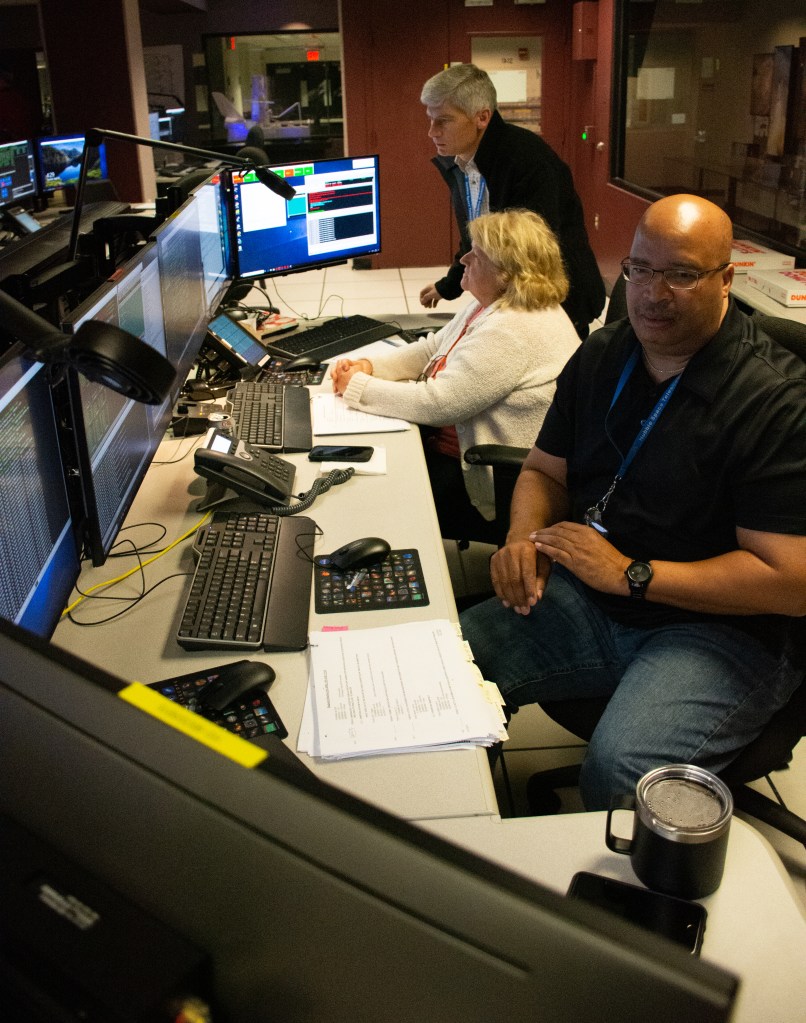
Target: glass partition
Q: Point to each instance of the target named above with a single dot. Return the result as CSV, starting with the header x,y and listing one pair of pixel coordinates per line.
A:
x,y
712,100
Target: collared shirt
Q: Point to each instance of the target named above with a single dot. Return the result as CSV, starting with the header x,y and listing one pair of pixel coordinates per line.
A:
x,y
728,451
477,195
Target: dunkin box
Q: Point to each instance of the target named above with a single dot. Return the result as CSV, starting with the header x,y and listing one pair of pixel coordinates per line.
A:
x,y
752,256
786,286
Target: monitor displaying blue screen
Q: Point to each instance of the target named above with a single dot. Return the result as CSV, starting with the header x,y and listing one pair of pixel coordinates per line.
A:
x,y
334,216
59,159
17,171
38,547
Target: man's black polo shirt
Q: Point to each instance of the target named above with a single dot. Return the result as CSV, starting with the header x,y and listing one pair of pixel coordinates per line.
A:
x,y
728,450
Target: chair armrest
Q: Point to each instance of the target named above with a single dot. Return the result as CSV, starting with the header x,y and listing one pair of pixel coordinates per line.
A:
x,y
496,455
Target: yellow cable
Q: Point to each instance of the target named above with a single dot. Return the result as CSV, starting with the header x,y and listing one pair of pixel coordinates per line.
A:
x,y
139,567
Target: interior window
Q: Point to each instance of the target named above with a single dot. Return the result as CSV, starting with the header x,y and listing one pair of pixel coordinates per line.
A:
x,y
712,100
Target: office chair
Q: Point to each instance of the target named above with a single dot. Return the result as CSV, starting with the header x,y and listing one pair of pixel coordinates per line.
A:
x,y
506,460
770,751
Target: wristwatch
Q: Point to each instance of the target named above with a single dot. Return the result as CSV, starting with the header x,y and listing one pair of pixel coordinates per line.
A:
x,y
639,574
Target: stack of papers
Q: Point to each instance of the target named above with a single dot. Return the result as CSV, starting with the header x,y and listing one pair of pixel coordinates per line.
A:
x,y
404,688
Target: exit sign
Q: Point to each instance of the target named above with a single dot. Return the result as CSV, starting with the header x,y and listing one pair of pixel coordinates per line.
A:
x,y
312,55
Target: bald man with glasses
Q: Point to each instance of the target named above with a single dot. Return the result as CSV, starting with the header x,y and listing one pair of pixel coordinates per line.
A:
x,y
657,546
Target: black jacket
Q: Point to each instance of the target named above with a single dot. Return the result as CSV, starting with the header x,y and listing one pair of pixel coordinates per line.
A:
x,y
523,171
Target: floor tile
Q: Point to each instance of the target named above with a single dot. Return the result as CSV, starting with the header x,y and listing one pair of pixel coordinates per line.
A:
x,y
422,273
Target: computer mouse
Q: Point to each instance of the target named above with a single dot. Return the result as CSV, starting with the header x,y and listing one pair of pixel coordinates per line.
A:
x,y
235,313
300,363
360,553
236,680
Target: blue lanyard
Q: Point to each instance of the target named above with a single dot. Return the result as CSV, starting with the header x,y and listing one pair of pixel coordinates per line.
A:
x,y
474,211
593,516
651,419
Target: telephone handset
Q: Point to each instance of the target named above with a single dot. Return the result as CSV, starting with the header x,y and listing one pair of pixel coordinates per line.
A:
x,y
234,464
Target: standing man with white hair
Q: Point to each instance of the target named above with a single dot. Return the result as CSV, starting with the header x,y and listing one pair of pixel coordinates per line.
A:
x,y
490,165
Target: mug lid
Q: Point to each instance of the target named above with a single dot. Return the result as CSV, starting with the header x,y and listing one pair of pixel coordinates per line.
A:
x,y
684,802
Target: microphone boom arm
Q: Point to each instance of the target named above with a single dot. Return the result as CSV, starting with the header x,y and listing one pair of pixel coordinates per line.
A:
x,y
95,136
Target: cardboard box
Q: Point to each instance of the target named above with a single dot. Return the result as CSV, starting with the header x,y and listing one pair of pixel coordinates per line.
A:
x,y
786,286
750,255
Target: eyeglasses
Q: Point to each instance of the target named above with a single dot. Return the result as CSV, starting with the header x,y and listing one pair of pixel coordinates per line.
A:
x,y
678,280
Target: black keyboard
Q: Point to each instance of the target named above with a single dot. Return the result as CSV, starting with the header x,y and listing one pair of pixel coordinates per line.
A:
x,y
252,586
271,415
334,337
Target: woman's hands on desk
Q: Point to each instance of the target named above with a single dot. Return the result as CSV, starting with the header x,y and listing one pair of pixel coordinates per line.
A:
x,y
345,369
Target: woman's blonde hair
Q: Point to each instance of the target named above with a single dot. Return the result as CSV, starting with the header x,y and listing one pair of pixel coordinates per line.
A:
x,y
524,249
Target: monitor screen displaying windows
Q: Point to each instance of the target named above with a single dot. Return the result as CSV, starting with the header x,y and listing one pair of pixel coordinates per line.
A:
x,y
17,172
38,547
59,158
334,216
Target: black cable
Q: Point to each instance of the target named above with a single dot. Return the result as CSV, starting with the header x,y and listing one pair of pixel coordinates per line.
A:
x,y
132,601
320,486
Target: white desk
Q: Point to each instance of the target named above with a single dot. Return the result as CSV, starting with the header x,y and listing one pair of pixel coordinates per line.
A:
x,y
141,645
756,927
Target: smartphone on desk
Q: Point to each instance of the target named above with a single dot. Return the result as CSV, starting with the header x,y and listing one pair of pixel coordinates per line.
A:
x,y
340,453
677,919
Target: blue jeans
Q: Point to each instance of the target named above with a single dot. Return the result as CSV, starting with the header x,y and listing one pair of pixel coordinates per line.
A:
x,y
695,692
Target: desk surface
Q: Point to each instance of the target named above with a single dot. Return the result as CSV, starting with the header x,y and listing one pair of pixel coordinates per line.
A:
x,y
756,927
141,645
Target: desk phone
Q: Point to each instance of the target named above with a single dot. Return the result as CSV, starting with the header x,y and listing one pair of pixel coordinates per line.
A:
x,y
233,463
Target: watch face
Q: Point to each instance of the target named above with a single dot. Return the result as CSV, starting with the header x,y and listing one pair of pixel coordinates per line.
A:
x,y
638,572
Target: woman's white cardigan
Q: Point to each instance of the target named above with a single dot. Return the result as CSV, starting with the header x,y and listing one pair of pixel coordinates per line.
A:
x,y
496,386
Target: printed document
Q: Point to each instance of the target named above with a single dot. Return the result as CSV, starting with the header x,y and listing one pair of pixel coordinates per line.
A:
x,y
396,689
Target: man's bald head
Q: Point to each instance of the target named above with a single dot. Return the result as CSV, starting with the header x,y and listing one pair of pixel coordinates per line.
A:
x,y
681,232
702,224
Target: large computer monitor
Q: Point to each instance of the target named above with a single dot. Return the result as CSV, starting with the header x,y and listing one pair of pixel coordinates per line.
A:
x,y
214,240
38,547
310,904
334,216
183,286
59,161
114,438
17,172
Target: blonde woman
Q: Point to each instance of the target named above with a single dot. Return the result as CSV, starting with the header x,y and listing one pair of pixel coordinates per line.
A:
x,y
488,376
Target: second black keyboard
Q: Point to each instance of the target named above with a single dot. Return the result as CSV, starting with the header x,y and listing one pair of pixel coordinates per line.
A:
x,y
333,337
271,415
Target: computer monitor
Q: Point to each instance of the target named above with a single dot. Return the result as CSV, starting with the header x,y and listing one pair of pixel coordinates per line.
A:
x,y
59,160
214,240
182,286
334,216
112,437
17,172
39,561
309,903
